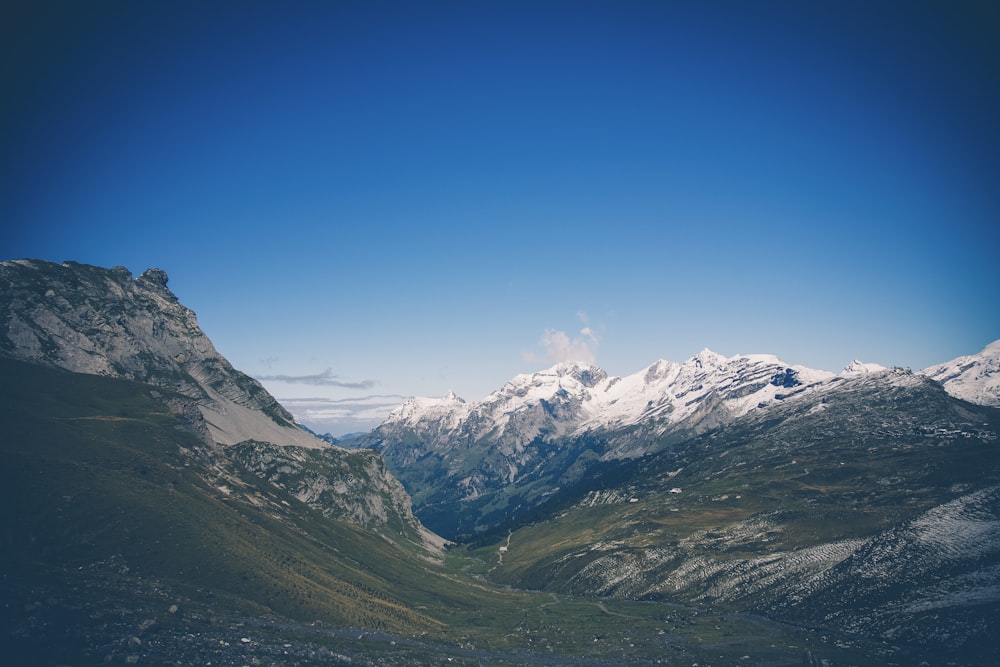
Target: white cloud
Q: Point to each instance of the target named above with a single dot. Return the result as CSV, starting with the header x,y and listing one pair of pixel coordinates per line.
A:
x,y
561,347
324,379
339,416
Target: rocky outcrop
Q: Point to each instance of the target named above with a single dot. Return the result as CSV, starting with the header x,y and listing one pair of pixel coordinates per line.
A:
x,y
99,321
350,486
103,322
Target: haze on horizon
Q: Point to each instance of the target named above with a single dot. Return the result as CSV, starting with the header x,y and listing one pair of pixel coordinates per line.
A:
x,y
364,201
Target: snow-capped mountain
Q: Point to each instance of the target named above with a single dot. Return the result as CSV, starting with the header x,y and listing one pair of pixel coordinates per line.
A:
x,y
858,367
707,389
554,423
974,378
543,429
571,398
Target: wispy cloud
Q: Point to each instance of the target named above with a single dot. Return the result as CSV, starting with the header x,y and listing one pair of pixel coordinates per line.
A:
x,y
363,401
344,415
560,346
324,379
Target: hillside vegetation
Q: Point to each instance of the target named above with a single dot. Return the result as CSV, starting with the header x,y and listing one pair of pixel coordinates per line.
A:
x,y
126,539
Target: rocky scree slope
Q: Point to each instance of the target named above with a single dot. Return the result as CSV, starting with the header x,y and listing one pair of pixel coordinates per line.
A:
x,y
123,533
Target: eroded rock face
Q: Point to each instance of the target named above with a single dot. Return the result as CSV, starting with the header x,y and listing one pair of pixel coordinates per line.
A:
x,y
352,486
88,319
98,321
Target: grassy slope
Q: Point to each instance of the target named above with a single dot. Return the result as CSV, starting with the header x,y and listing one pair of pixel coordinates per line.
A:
x,y
825,477
94,470
107,519
757,489
109,515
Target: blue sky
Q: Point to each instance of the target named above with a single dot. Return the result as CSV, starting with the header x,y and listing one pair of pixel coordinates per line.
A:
x,y
378,200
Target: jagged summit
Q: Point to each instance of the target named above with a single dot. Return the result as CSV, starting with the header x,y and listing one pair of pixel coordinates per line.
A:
x,y
586,397
415,408
540,423
154,277
101,321
470,451
707,359
858,367
581,372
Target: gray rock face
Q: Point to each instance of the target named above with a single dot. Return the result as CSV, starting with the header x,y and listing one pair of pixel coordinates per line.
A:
x,y
102,321
99,321
352,486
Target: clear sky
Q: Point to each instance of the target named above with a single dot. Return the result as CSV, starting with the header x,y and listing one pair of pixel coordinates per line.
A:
x,y
364,201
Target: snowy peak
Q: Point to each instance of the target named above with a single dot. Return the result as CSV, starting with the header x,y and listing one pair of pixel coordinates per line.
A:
x,y
660,371
974,378
702,392
706,359
572,398
420,408
585,375
858,367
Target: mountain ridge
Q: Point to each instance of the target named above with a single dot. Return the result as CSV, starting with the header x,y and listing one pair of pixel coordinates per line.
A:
x,y
981,367
105,322
723,510
546,427
973,377
869,508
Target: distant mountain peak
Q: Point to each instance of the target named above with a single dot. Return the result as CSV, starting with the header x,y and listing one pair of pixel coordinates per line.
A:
x,y
858,367
707,358
974,378
420,407
585,373
659,370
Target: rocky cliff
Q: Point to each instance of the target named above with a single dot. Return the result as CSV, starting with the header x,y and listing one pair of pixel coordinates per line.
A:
x,y
105,322
100,321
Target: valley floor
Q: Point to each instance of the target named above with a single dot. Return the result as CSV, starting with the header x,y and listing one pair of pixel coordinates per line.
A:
x,y
108,619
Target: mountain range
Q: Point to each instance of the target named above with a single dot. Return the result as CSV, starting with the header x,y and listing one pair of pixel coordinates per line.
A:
x,y
160,507
864,501
470,466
